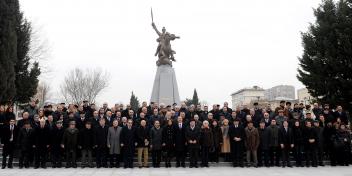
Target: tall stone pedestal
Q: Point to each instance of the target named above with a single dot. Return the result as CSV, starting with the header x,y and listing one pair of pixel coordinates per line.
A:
x,y
165,88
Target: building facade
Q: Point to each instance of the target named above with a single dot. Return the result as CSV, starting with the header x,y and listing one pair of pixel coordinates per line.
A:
x,y
286,91
246,95
304,96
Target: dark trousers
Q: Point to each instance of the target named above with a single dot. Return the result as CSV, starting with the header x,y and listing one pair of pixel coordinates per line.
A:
x,y
114,160
205,156
128,156
346,155
41,154
333,154
286,155
180,158
227,157
56,156
263,155
101,153
274,154
8,151
341,156
156,157
298,152
237,153
193,156
71,158
320,154
311,155
86,157
25,157
168,156
214,155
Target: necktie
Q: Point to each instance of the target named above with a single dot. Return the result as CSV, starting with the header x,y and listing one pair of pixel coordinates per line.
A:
x,y
180,125
11,128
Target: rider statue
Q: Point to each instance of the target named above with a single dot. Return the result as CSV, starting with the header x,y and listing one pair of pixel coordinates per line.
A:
x,y
164,51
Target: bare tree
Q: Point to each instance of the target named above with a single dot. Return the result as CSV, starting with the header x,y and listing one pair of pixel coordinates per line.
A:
x,y
82,85
43,93
40,50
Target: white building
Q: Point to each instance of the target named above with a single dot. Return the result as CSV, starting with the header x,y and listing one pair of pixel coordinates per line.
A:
x,y
286,91
304,96
246,95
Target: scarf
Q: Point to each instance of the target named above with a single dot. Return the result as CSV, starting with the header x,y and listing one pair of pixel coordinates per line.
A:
x,y
225,131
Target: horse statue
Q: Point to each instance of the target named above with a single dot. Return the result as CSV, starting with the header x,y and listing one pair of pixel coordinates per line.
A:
x,y
164,50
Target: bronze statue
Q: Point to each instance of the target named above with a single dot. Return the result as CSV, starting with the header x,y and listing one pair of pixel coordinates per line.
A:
x,y
164,51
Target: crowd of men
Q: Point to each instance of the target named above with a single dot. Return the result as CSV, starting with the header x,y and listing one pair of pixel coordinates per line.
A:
x,y
300,135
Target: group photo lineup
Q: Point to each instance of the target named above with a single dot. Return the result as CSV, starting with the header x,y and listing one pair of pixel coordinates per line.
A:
x,y
213,87
287,135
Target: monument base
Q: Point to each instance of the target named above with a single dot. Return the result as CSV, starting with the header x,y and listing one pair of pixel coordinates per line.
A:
x,y
165,88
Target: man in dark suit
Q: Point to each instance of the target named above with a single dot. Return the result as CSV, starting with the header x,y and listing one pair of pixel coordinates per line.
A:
x,y
263,149
95,119
192,136
286,143
266,119
341,115
81,120
109,119
69,144
9,136
101,133
41,142
128,143
25,117
310,140
180,142
55,144
25,142
237,137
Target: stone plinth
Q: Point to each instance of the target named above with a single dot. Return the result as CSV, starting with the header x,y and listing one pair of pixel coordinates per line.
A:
x,y
165,88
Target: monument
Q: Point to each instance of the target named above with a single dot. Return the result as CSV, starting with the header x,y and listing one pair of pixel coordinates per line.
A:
x,y
165,88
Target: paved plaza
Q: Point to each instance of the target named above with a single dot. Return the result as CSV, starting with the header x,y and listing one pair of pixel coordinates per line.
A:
x,y
213,171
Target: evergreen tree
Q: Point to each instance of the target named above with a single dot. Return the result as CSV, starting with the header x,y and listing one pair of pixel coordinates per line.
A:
x,y
26,74
188,101
8,50
326,64
18,77
195,99
134,102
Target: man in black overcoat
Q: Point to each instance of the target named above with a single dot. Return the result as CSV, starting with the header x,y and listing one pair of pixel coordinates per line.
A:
x,y
237,137
25,143
286,143
56,151
8,141
310,141
180,142
192,136
42,143
128,143
101,133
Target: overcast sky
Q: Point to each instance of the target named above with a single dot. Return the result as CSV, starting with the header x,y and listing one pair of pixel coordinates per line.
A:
x,y
225,45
